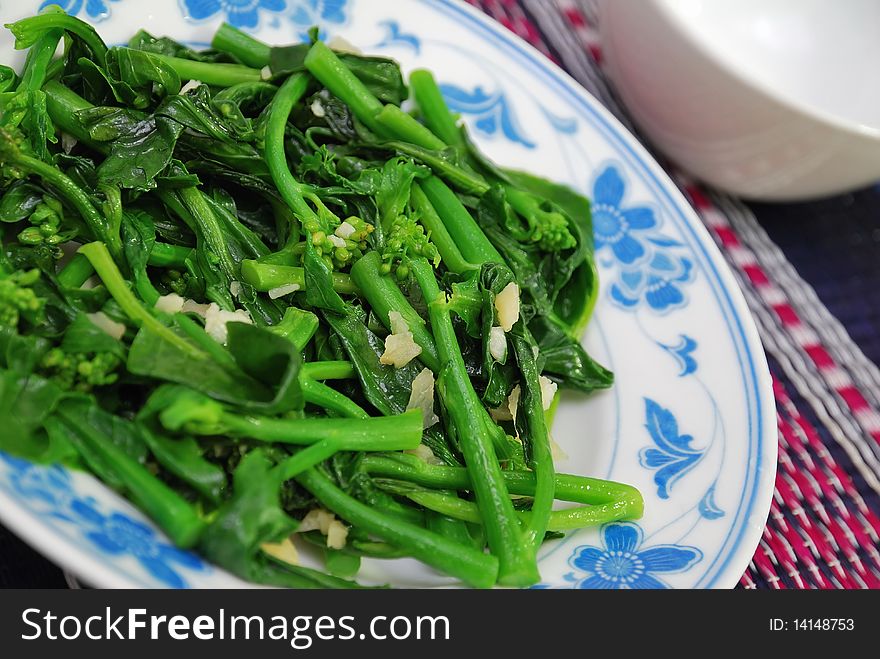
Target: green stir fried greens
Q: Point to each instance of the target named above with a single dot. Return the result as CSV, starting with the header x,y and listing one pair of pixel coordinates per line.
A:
x,y
249,291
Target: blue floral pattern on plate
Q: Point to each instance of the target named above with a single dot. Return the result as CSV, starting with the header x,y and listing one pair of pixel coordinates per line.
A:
x,y
114,534
683,353
622,563
672,456
308,13
647,269
117,534
97,10
707,506
239,13
492,112
394,36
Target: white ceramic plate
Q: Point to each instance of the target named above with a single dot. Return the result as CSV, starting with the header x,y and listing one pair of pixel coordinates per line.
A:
x,y
691,420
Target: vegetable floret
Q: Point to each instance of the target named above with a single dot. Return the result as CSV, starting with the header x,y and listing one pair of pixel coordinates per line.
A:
x,y
45,226
343,242
79,371
406,239
551,230
12,144
545,226
17,297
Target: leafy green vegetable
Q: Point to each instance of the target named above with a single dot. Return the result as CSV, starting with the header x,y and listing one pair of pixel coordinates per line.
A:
x,y
26,401
248,290
251,518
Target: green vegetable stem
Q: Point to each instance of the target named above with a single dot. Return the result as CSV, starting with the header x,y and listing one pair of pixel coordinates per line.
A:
x,y
259,286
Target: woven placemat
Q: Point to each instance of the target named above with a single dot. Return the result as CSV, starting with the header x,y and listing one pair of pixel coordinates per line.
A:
x,y
834,244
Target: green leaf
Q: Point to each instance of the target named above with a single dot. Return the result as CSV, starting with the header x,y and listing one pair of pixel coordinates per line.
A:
x,y
101,87
251,518
150,355
123,434
576,298
134,78
138,238
21,353
319,284
141,69
271,360
566,361
195,111
381,76
143,40
26,110
387,388
392,193
84,336
136,159
183,456
19,201
26,401
263,379
141,146
523,259
7,79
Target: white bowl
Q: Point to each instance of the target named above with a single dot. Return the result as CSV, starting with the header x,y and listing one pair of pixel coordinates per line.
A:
x,y
768,99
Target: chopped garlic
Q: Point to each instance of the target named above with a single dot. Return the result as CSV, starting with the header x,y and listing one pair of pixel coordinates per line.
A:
x,y
92,282
171,303
316,519
336,240
513,401
425,454
265,72
345,230
422,397
400,348
343,45
67,142
216,320
318,108
556,451
284,551
234,288
548,391
507,306
337,535
281,291
324,521
188,87
107,324
191,306
397,322
497,344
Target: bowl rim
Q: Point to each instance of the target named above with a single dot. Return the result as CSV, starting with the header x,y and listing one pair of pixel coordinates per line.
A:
x,y
689,32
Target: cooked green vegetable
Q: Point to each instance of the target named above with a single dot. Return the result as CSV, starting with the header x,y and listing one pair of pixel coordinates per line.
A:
x,y
247,290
